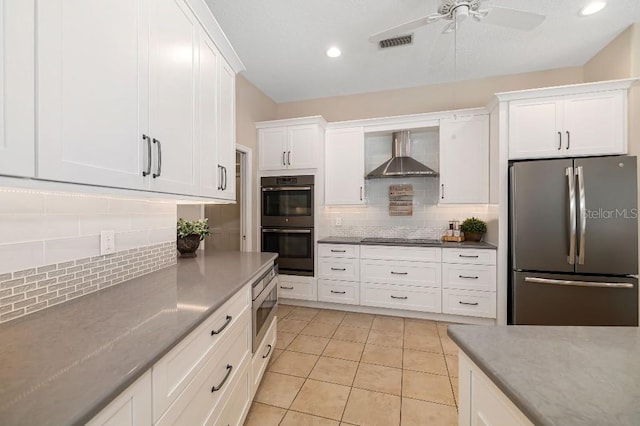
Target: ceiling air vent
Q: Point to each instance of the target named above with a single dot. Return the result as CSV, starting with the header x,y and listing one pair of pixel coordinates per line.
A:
x,y
396,41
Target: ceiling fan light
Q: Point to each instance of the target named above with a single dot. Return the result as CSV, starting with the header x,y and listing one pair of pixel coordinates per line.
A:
x,y
592,8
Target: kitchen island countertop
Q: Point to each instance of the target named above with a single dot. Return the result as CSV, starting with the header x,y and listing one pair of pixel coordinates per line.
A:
x,y
64,364
561,375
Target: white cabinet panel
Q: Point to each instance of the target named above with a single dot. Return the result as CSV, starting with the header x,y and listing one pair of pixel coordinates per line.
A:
x,y
92,91
208,117
398,272
417,254
339,292
131,408
535,128
262,356
173,77
302,288
464,160
422,299
17,93
301,152
238,401
272,148
469,303
339,269
227,137
469,277
344,166
471,256
339,251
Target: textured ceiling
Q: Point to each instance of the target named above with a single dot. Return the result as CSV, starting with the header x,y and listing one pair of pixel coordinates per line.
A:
x,y
282,43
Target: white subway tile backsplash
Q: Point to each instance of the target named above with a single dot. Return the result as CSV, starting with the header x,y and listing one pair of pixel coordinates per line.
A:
x,y
21,255
161,235
94,224
21,202
75,204
65,249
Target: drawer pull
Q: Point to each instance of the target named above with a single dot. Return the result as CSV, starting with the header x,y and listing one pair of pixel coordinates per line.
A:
x,y
469,257
218,331
286,288
399,273
226,376
398,297
338,292
268,352
467,303
338,251
338,269
468,277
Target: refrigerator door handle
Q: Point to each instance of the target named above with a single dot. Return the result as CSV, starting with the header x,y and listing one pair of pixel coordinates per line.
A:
x,y
577,283
582,213
571,258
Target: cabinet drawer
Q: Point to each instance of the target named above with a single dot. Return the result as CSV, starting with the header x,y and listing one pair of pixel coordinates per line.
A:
x,y
201,400
469,277
416,254
339,269
297,289
339,250
262,356
469,303
472,256
401,297
238,401
397,272
339,292
175,370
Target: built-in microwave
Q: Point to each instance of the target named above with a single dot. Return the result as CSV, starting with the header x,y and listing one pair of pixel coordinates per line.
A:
x,y
287,201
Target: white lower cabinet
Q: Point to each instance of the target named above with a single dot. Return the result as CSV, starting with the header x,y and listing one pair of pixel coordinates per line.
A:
x,y
469,303
239,400
262,356
339,273
346,292
424,299
132,407
481,402
294,287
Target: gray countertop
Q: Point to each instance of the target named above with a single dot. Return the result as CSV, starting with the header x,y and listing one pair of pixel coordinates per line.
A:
x,y
358,240
64,364
561,375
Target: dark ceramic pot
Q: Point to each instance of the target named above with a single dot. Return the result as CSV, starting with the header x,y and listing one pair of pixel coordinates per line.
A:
x,y
188,245
473,236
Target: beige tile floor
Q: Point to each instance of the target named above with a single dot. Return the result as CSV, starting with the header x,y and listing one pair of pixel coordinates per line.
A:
x,y
342,368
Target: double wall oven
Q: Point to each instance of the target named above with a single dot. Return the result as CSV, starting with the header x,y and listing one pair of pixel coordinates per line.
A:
x,y
287,222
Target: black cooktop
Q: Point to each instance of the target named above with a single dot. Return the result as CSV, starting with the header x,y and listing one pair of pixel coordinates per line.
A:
x,y
402,241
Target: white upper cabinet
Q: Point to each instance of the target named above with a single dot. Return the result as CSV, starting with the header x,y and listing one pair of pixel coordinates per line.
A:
x,y
577,124
227,136
17,138
174,50
208,117
92,92
290,144
344,166
464,160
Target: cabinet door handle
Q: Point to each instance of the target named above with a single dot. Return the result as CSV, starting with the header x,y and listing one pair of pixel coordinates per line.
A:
x,y
226,376
284,156
338,251
159,168
227,322
361,193
286,288
219,177
559,141
338,269
399,273
442,186
467,277
467,303
338,292
268,352
289,158
224,180
469,257
147,172
568,139
399,297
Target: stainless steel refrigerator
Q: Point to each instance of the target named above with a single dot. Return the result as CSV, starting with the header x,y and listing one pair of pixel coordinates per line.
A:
x,y
573,229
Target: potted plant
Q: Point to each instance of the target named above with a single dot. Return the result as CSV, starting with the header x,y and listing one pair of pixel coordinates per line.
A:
x,y
473,229
190,233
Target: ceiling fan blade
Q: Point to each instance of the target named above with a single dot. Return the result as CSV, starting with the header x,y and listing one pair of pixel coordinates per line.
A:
x,y
513,18
404,28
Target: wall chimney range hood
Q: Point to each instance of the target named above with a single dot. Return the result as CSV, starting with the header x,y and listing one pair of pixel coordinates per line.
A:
x,y
401,164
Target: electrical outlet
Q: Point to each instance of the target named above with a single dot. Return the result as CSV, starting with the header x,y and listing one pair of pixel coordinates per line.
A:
x,y
338,221
107,242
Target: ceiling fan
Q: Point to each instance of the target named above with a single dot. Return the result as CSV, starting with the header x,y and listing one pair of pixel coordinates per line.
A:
x,y
457,11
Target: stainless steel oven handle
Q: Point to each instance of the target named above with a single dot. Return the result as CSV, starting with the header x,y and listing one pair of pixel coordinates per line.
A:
x,y
285,188
287,231
577,283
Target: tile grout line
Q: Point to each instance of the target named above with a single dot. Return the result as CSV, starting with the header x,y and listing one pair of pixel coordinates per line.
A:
x,y
344,410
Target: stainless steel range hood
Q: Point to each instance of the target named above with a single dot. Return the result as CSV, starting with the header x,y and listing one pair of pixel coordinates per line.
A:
x,y
401,164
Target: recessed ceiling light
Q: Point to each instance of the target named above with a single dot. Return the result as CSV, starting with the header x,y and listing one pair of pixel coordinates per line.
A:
x,y
333,52
593,7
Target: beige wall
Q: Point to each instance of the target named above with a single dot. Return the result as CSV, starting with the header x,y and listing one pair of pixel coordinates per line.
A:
x,y
252,105
613,61
440,97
